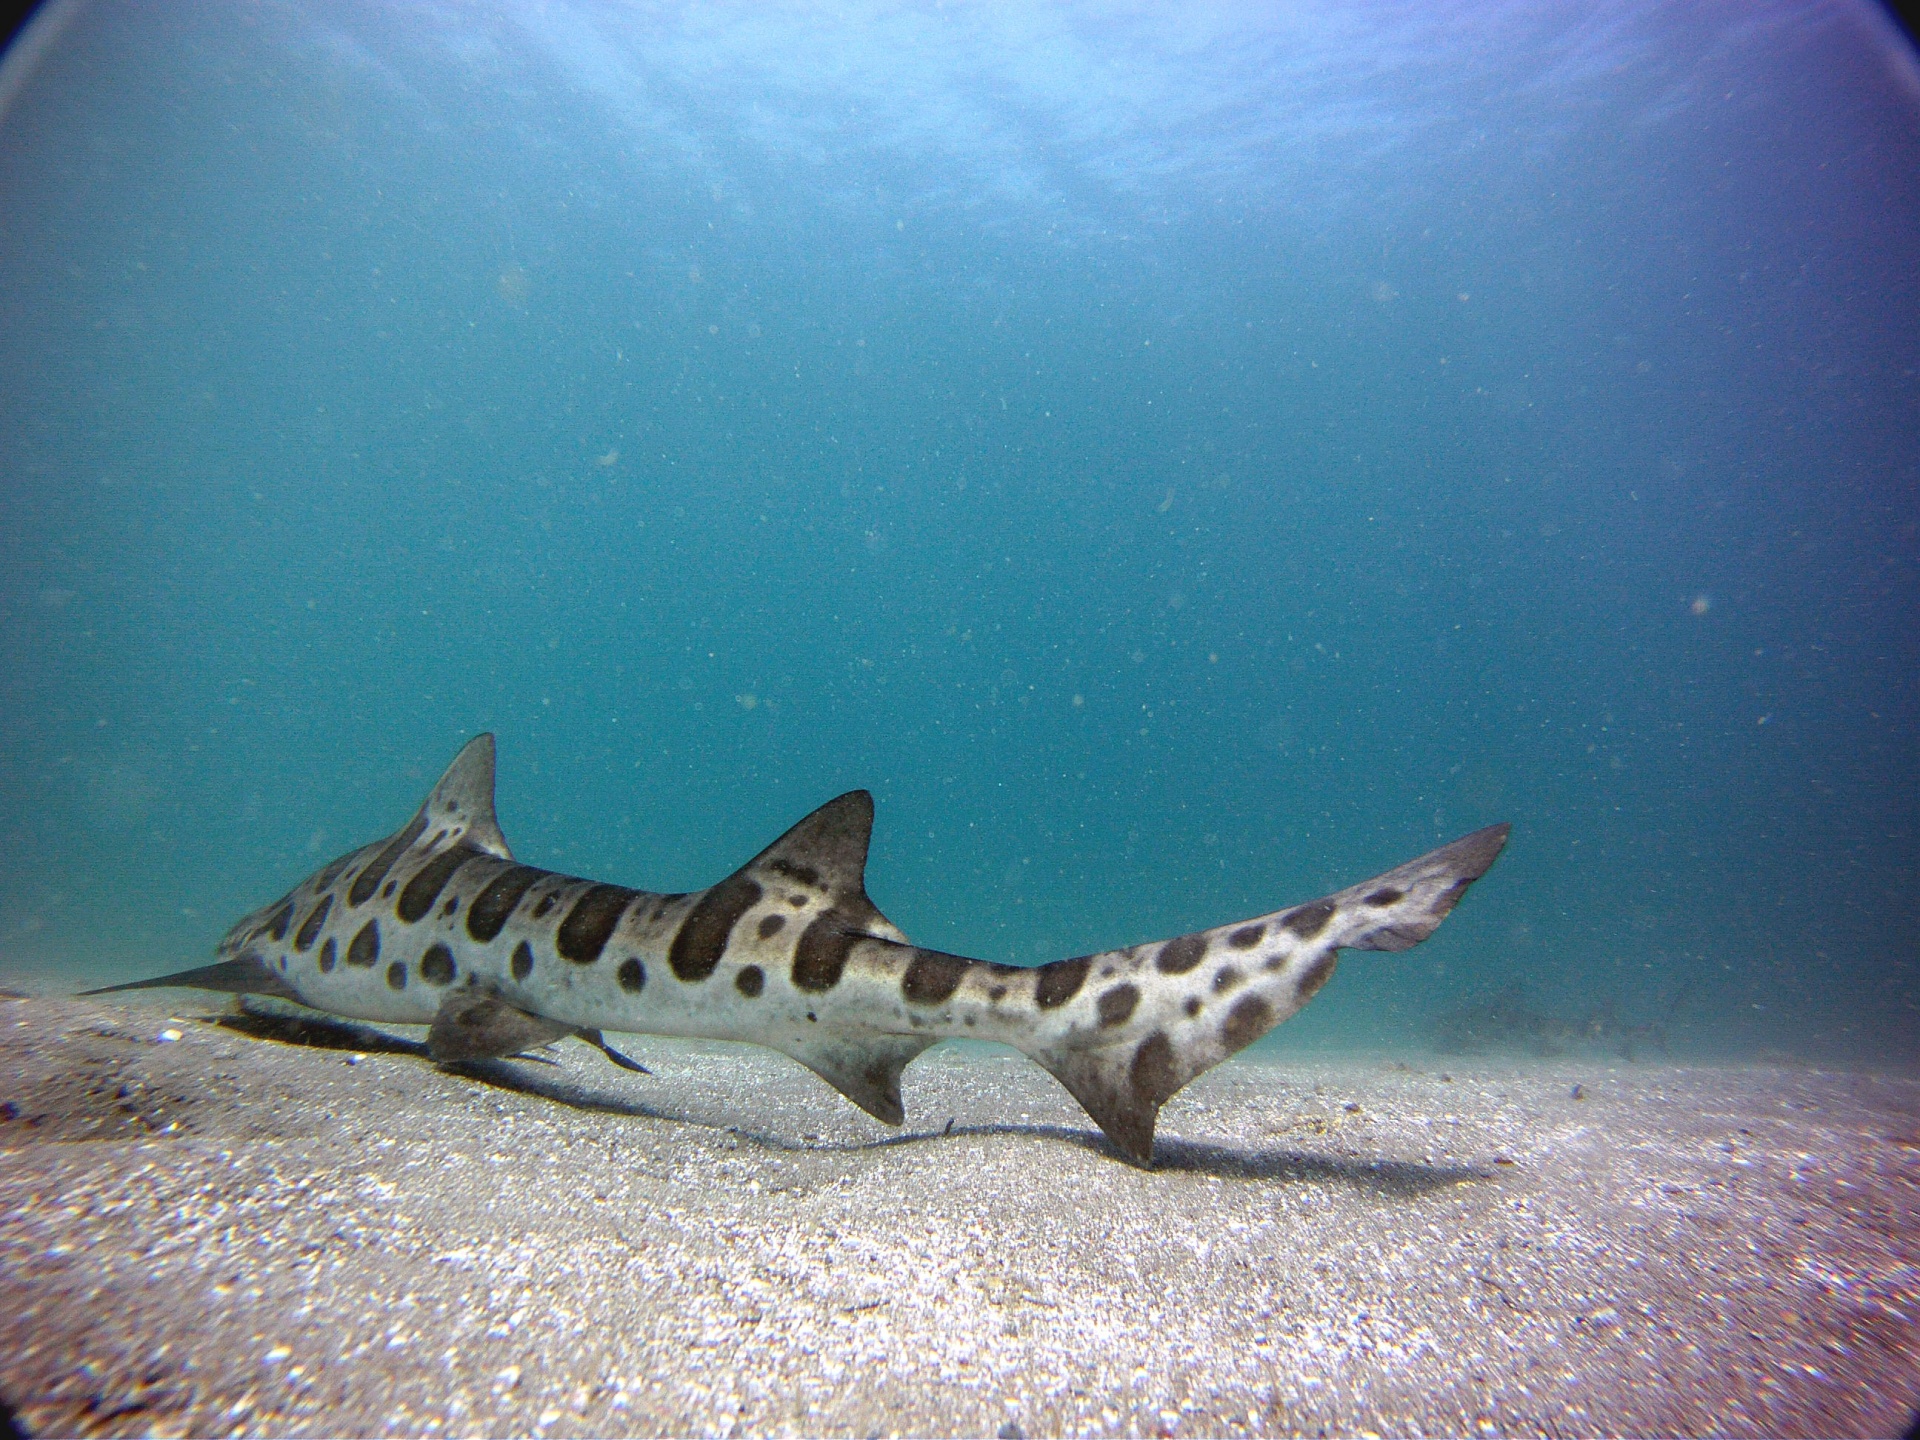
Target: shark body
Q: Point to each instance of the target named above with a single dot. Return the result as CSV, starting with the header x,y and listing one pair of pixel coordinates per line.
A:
x,y
439,925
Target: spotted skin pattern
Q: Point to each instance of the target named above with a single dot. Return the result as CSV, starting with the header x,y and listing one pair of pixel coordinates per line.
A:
x,y
439,925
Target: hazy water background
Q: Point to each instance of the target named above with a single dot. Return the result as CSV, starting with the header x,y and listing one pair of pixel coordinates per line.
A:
x,y
1182,460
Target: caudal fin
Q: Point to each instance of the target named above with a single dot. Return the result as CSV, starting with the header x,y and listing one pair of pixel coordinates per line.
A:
x,y
1144,1021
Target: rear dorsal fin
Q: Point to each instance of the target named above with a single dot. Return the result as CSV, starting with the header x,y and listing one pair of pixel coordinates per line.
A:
x,y
827,852
462,802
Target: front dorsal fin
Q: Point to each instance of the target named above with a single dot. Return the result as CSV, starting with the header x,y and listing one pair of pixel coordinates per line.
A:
x,y
827,852
462,802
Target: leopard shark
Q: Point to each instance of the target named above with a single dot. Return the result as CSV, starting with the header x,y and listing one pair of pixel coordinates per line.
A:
x,y
439,925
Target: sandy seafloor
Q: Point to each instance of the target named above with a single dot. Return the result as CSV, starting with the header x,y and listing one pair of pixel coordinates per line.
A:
x,y
221,1233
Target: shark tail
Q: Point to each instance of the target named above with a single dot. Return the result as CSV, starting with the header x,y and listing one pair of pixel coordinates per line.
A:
x,y
1199,998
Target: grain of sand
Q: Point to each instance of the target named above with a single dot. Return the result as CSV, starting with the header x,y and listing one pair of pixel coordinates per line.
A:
x,y
232,1227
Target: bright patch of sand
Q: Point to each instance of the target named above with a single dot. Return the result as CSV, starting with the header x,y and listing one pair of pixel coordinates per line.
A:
x,y
221,1233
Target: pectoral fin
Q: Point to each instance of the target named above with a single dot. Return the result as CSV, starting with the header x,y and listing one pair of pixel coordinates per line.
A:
x,y
247,975
474,1025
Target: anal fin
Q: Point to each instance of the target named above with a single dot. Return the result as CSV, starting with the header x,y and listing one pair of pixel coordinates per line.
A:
x,y
866,1071
1122,1095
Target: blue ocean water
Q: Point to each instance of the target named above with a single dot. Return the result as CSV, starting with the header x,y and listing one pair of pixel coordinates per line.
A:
x,y
1181,459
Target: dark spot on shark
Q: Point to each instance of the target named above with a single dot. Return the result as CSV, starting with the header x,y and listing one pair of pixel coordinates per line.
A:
x,y
324,880
1192,1007
583,934
522,960
278,922
798,902
436,966
632,975
1314,976
396,976
453,904
932,977
750,981
802,874
1388,896
1225,978
771,925
329,956
821,956
1117,1005
703,936
386,891
1061,981
365,947
1152,1073
310,927
1309,920
1246,937
547,902
429,880
488,914
996,994
1176,957
1246,1022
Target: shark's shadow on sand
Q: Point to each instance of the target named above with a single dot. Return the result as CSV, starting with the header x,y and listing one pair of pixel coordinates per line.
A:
x,y
1395,1179
313,1031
